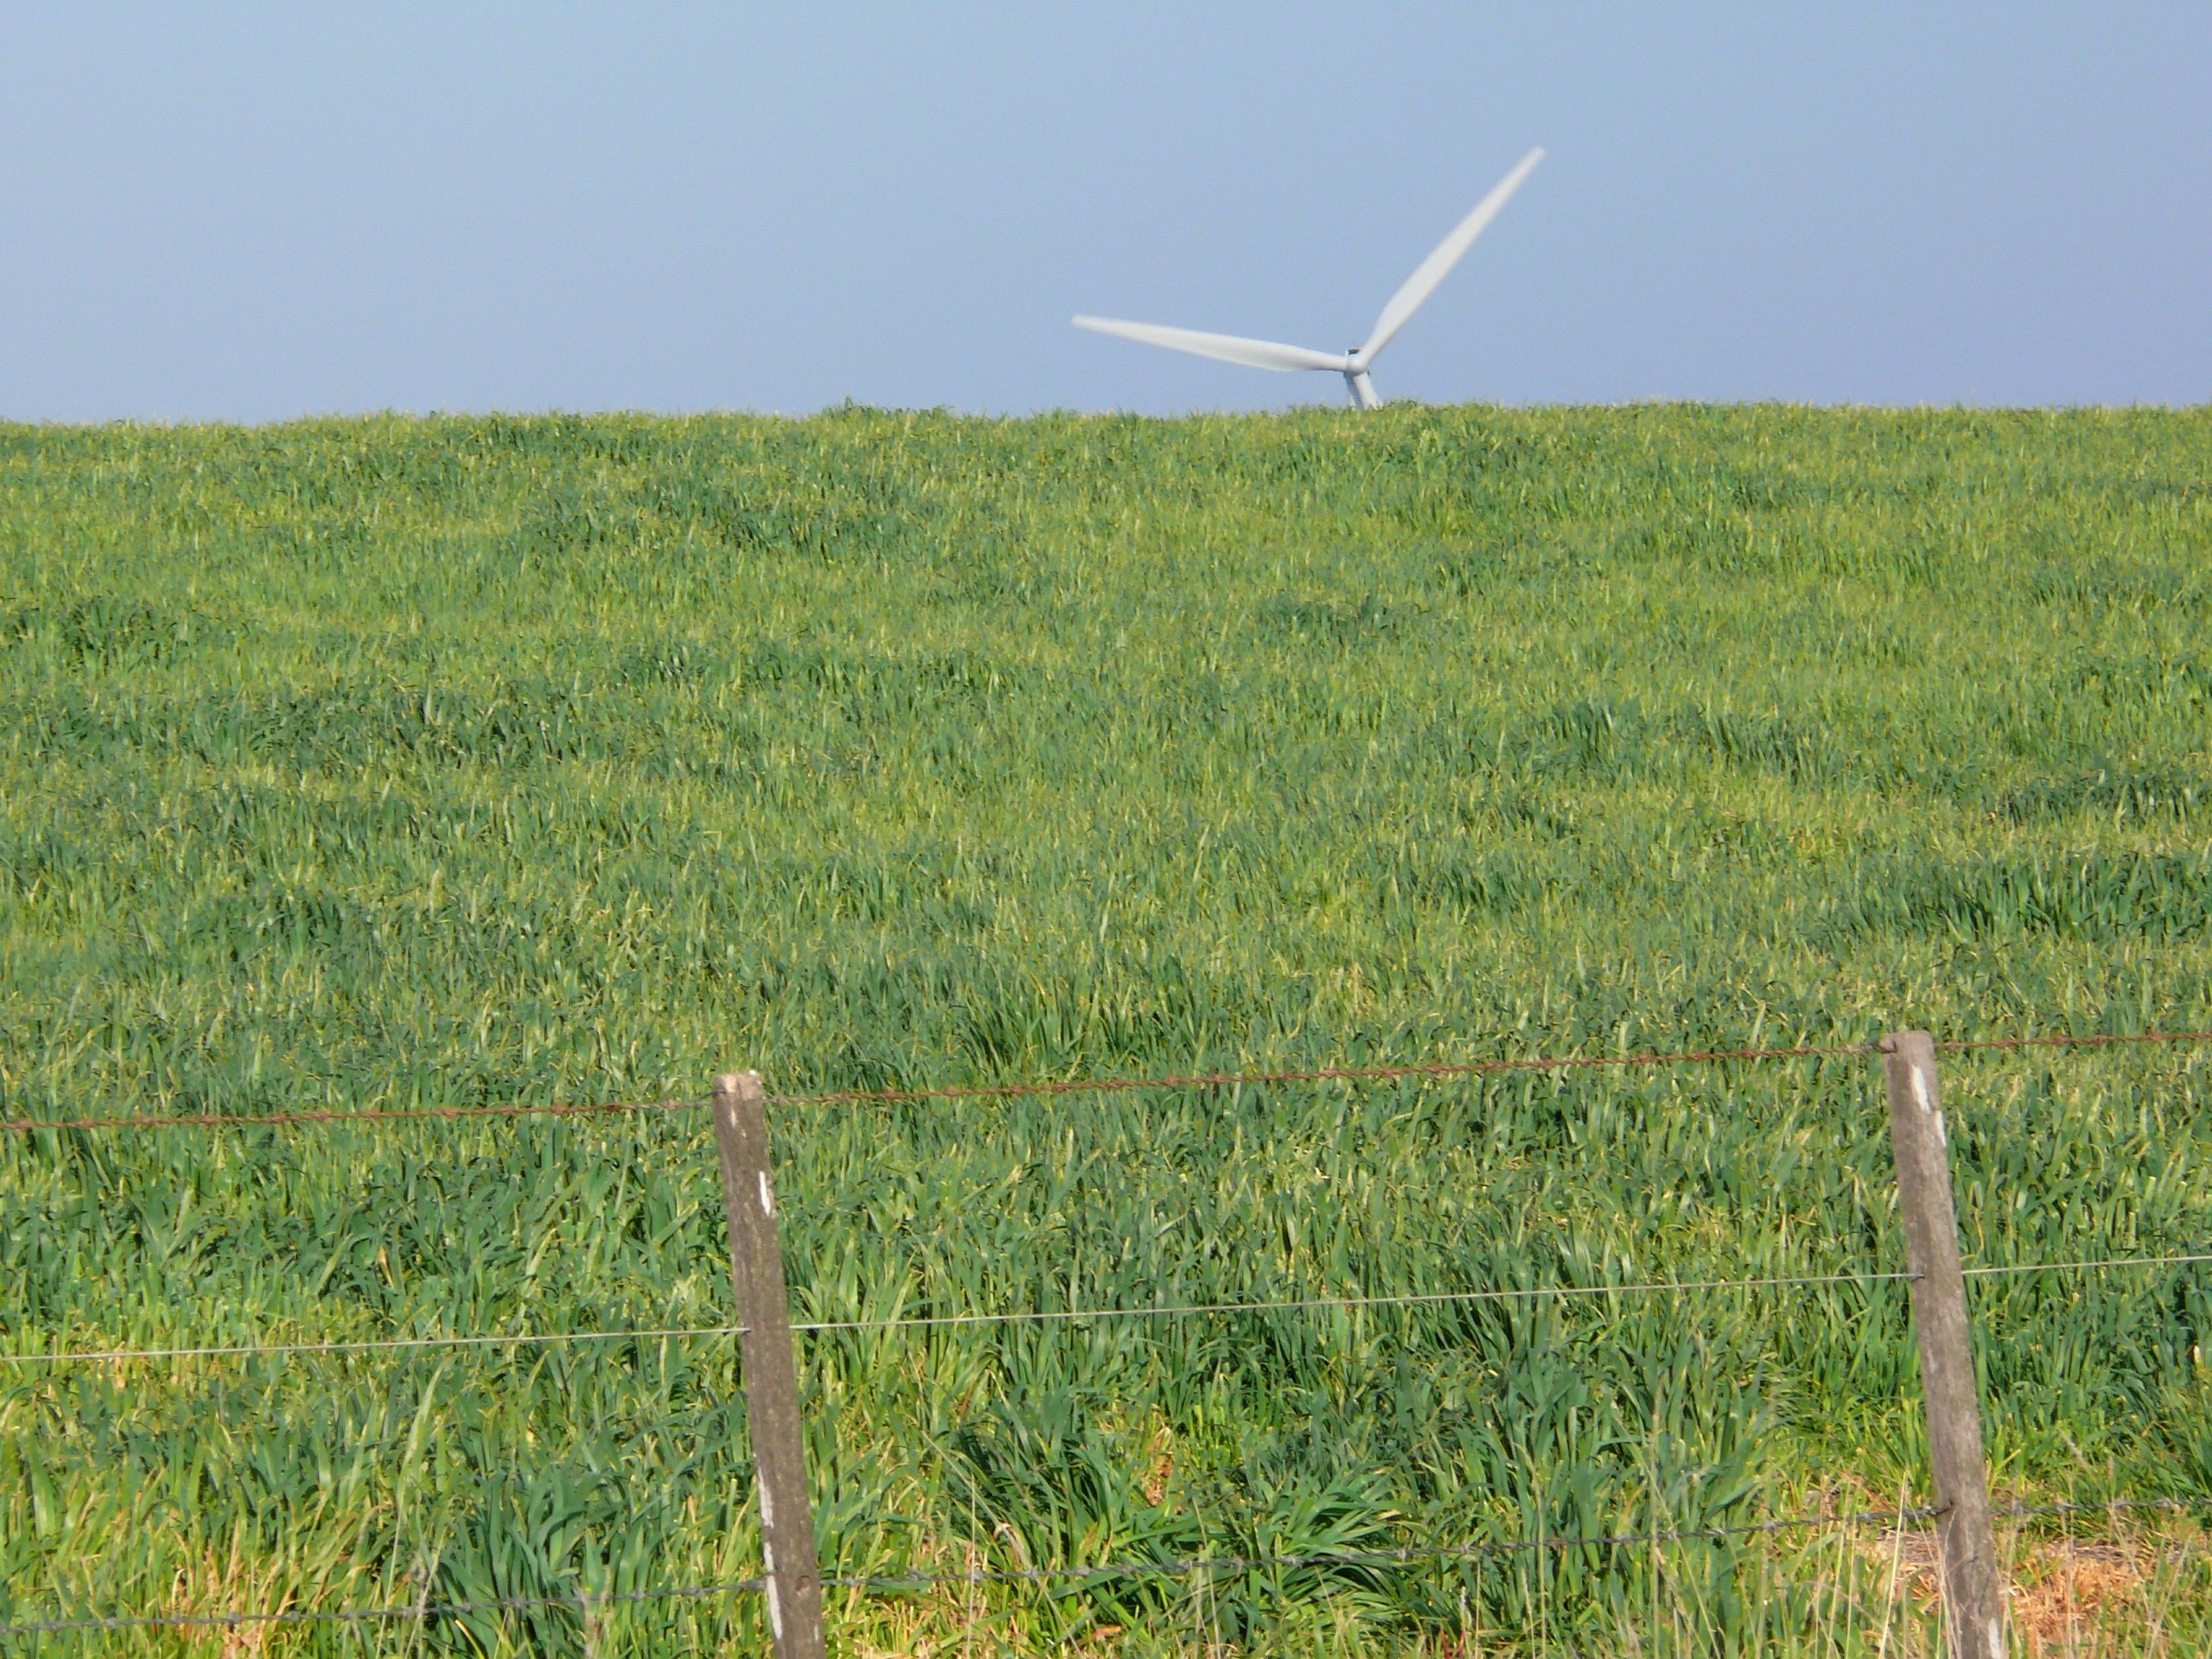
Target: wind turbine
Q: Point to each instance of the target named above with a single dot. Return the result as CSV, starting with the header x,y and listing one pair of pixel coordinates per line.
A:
x,y
1353,364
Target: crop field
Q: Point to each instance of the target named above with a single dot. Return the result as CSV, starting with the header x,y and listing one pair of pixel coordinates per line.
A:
x,y
389,763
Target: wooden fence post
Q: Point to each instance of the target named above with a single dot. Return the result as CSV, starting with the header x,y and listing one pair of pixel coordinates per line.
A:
x,y
1973,1595
795,1579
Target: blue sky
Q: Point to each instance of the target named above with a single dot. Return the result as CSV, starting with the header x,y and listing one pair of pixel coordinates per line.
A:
x,y
255,213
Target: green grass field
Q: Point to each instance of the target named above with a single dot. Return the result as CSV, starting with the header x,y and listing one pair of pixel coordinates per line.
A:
x,y
388,762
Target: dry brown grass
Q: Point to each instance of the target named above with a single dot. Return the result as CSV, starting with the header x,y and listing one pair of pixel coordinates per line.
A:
x,y
218,1586
2068,1598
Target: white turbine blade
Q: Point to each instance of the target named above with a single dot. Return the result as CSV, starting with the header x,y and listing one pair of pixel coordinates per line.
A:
x,y
1229,348
1434,269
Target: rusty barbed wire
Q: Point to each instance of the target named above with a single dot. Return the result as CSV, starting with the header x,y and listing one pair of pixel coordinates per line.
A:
x,y
343,1115
892,1583
1048,1087
2086,1040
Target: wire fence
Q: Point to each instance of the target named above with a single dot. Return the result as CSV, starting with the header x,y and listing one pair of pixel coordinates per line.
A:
x,y
1056,1316
1045,1088
587,1601
584,1601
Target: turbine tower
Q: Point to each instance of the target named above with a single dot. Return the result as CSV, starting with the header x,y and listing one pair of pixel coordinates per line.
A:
x,y
1353,364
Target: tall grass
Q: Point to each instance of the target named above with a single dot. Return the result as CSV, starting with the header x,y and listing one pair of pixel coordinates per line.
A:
x,y
390,762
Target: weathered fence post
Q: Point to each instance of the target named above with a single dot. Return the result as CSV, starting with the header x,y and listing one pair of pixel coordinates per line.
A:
x,y
794,1580
1973,1595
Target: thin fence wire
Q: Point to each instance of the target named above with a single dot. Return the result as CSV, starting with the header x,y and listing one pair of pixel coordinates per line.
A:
x,y
880,1583
2086,1040
1046,1088
921,1322
343,1115
585,1601
249,1350
2083,1267
581,1600
1411,1553
1318,1075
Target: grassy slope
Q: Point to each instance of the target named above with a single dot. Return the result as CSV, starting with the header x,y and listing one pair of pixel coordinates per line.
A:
x,y
379,763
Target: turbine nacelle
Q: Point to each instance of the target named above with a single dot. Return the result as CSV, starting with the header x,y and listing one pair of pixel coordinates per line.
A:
x,y
1353,364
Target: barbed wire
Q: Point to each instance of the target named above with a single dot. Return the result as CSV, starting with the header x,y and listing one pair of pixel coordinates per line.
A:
x,y
1515,1546
2185,1504
1038,1088
581,1600
343,1115
1318,1074
1512,1546
1047,1087
584,1601
243,1350
1061,1315
1401,1556
2087,1040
